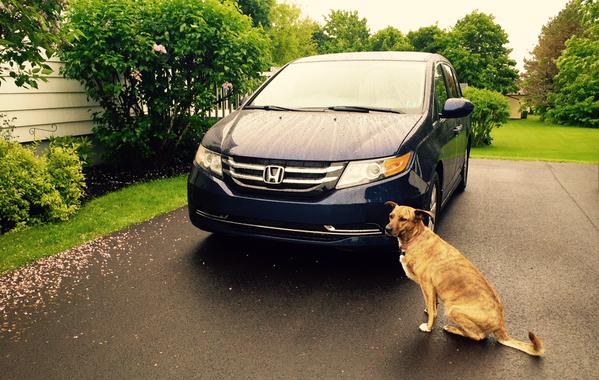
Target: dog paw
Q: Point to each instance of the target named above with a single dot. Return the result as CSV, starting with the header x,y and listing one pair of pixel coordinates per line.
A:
x,y
424,328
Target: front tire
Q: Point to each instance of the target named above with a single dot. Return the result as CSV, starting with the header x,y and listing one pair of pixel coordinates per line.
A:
x,y
464,173
434,201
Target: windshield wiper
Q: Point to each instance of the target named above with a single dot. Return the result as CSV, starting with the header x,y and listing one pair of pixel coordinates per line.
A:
x,y
363,109
270,108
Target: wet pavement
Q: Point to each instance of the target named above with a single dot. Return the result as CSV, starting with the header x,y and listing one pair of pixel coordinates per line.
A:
x,y
165,300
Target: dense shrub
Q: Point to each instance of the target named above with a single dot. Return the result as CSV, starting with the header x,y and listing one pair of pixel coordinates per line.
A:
x,y
82,145
37,189
153,66
575,96
65,169
491,109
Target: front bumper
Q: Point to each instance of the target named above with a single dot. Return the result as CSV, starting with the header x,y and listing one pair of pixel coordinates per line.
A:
x,y
351,217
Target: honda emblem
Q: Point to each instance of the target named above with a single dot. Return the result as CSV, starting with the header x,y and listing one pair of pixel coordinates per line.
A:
x,y
273,174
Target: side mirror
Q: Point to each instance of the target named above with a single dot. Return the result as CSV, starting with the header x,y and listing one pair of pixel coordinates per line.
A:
x,y
457,107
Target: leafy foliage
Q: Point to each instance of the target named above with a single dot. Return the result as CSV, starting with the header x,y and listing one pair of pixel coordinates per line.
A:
x,y
27,27
476,48
540,70
491,109
258,10
66,174
82,145
390,39
431,39
153,66
38,189
290,35
575,98
343,31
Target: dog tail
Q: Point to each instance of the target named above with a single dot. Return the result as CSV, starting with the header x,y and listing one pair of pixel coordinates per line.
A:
x,y
536,348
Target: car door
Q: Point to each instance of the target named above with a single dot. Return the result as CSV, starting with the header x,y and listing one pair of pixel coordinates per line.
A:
x,y
460,124
444,128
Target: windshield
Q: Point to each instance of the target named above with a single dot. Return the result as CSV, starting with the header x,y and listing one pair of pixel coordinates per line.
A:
x,y
397,85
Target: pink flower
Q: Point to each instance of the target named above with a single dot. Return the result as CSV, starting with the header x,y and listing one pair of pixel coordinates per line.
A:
x,y
2,7
159,48
136,75
227,86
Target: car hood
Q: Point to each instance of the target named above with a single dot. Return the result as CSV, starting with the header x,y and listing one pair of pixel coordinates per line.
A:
x,y
310,136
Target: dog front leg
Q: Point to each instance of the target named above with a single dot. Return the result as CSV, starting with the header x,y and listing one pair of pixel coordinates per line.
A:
x,y
430,300
406,268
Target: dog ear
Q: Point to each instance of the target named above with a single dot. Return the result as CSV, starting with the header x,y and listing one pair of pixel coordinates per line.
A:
x,y
421,214
391,203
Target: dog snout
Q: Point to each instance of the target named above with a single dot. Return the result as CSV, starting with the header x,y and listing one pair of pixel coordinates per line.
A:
x,y
388,229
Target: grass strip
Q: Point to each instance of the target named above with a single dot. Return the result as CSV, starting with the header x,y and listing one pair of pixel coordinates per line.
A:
x,y
100,216
534,140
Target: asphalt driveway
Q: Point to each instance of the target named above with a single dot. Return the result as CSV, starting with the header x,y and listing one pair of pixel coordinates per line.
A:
x,y
165,300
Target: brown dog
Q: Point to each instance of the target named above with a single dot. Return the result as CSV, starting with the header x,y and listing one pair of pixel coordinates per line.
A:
x,y
442,271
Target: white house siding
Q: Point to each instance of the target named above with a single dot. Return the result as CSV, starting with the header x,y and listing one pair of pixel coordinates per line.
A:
x,y
58,108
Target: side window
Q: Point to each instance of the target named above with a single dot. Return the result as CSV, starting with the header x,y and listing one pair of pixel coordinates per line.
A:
x,y
454,91
441,93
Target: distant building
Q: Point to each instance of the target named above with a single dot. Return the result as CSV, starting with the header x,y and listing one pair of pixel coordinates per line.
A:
x,y
517,108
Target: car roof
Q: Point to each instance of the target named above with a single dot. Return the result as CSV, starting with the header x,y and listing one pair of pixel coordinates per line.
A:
x,y
374,56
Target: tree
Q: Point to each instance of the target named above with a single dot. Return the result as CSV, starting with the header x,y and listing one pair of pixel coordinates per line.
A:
x,y
258,10
153,66
575,98
344,31
27,29
476,48
388,39
540,70
431,39
291,36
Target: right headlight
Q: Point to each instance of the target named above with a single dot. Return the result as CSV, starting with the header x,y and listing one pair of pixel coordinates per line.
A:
x,y
360,172
209,161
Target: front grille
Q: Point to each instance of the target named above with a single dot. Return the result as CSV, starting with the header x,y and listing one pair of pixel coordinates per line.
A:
x,y
298,178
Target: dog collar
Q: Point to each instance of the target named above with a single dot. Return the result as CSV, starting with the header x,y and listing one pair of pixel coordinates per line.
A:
x,y
406,246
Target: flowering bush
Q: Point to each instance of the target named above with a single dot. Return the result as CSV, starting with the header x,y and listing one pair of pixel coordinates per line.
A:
x,y
153,66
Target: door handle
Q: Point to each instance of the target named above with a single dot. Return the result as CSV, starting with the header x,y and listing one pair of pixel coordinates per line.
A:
x,y
457,129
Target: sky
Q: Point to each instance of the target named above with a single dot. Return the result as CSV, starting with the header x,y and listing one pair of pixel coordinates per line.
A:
x,y
521,19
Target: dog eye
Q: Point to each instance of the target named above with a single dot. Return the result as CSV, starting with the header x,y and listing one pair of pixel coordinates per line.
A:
x,y
402,219
390,216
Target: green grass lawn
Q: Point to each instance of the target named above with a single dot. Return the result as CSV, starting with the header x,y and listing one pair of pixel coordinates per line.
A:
x,y
532,139
99,217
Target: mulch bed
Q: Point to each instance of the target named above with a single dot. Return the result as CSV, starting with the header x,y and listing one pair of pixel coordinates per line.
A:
x,y
105,179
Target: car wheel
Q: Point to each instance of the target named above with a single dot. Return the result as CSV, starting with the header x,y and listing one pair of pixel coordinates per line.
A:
x,y
464,173
434,201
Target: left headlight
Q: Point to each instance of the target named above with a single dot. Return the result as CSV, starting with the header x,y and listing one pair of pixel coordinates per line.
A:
x,y
360,172
209,161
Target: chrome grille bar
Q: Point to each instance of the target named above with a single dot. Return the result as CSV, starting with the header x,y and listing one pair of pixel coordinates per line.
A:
x,y
302,179
249,177
289,169
358,232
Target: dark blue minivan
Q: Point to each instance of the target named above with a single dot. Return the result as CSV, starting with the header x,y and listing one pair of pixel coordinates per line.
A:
x,y
316,151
